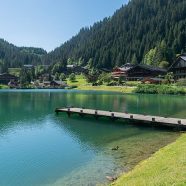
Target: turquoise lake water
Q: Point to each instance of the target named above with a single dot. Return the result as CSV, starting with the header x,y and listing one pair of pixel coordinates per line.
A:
x,y
38,147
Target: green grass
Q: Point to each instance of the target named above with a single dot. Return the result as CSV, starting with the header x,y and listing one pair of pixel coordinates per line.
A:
x,y
107,88
80,81
159,89
4,86
82,84
14,71
166,167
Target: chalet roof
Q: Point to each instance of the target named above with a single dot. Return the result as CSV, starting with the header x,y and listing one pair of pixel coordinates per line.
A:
x,y
60,83
71,66
126,67
149,67
105,70
183,57
7,75
28,66
152,68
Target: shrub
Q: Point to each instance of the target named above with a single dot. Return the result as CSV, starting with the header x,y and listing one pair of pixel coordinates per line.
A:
x,y
159,89
181,82
72,77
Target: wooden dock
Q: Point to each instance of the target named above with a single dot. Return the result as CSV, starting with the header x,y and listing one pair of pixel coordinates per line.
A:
x,y
153,120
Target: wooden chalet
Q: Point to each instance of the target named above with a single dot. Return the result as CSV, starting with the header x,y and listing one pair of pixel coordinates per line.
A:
x,y
137,72
5,78
121,71
141,71
179,67
57,84
13,84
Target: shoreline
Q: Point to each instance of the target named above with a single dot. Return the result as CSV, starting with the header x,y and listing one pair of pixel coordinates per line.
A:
x,y
119,89
158,170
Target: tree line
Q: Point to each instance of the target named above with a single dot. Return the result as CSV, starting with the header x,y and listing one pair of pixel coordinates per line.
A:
x,y
134,32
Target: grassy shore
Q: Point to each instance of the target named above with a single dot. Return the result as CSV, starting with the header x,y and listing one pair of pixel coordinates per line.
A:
x,y
165,167
82,84
122,89
4,87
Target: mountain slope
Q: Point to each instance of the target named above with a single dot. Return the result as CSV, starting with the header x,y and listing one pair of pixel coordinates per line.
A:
x,y
129,34
13,56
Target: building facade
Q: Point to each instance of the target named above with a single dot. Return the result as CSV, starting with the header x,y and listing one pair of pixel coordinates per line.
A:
x,y
179,67
5,78
137,72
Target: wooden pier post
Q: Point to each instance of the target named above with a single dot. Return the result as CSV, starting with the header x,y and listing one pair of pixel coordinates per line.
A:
x,y
96,114
68,113
81,113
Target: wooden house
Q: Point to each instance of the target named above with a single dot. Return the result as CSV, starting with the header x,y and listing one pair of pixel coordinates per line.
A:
x,y
137,72
121,71
58,84
141,71
179,67
5,78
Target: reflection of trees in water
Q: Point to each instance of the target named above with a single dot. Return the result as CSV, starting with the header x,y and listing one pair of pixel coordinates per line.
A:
x,y
164,105
18,106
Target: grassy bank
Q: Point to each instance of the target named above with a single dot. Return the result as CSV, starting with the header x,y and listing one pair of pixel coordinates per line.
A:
x,y
165,167
160,89
107,88
81,84
4,87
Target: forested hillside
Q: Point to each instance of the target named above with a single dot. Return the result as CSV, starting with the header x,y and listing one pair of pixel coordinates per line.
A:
x,y
12,56
155,28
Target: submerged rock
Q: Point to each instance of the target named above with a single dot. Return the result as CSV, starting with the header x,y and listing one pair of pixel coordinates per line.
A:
x,y
110,178
115,148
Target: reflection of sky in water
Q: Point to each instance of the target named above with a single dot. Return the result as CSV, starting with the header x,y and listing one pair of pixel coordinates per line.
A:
x,y
39,148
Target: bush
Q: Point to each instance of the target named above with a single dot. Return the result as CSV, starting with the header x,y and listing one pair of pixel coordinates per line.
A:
x,y
72,87
159,89
133,83
62,77
72,77
181,82
112,83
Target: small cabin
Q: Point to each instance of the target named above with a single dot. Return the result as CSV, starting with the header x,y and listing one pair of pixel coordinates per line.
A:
x,y
179,67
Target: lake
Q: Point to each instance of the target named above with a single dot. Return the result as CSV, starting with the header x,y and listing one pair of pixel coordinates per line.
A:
x,y
40,148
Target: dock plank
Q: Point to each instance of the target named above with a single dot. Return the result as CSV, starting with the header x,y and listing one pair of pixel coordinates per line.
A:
x,y
129,116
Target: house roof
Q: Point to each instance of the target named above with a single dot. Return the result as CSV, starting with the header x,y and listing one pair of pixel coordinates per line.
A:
x,y
125,67
149,67
183,57
7,75
28,66
71,66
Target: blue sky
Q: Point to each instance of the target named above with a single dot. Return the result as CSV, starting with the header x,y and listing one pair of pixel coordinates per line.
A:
x,y
49,23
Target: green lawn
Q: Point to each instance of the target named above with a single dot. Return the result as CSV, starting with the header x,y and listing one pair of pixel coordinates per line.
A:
x,y
82,84
80,81
166,167
122,89
4,86
14,71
